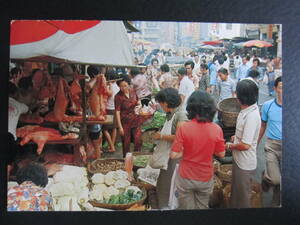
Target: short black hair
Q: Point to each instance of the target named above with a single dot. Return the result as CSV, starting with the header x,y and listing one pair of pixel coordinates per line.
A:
x,y
153,60
247,92
181,71
221,60
125,78
134,71
256,60
170,96
165,68
33,172
111,74
25,83
223,70
190,62
253,73
247,57
14,71
201,105
204,66
92,71
278,79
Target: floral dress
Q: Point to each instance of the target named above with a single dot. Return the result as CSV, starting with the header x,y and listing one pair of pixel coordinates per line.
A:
x,y
28,197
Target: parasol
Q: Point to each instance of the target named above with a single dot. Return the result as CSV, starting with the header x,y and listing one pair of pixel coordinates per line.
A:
x,y
257,43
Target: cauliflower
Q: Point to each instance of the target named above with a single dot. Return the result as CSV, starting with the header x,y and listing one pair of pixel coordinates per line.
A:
x,y
102,187
109,192
120,175
134,188
109,178
121,184
98,178
96,194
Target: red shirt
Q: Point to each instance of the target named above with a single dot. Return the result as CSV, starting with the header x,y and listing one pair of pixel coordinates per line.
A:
x,y
198,141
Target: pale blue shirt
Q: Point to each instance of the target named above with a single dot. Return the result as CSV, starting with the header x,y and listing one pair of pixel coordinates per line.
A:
x,y
242,71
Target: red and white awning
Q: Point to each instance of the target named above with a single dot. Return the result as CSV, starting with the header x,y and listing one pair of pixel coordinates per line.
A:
x,y
84,41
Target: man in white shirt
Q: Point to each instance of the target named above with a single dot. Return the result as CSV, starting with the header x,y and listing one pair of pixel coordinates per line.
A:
x,y
244,144
189,66
186,86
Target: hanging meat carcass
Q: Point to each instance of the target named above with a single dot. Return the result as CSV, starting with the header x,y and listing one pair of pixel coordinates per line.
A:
x,y
61,101
60,106
41,137
98,99
75,94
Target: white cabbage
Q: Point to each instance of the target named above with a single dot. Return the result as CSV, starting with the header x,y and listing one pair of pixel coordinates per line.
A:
x,y
121,184
98,178
62,189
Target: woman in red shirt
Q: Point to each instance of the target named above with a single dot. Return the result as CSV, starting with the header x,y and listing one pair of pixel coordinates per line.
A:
x,y
195,143
127,121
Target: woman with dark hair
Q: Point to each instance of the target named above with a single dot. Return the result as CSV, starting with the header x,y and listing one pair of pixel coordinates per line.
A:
x,y
244,144
195,143
30,194
127,121
169,100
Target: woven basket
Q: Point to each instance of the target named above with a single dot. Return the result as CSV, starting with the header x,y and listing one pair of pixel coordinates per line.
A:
x,y
228,110
216,165
256,195
121,206
216,196
223,174
93,167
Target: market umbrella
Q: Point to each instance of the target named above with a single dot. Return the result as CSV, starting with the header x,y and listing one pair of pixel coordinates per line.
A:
x,y
77,41
216,42
257,43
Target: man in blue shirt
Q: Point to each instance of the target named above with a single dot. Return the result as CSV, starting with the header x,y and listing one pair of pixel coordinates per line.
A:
x,y
213,75
242,71
255,66
272,126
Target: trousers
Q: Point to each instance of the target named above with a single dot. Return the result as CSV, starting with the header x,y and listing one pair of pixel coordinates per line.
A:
x,y
272,174
129,132
241,187
193,194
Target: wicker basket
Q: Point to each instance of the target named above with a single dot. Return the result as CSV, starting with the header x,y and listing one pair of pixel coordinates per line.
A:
x,y
216,196
216,165
121,206
224,174
93,167
228,110
256,195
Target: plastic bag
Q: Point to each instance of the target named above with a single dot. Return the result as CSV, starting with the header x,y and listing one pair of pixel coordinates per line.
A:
x,y
173,198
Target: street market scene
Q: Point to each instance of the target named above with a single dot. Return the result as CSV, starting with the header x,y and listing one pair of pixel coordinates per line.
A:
x,y
143,115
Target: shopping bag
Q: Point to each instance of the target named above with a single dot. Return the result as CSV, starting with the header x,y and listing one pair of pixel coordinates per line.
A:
x,y
160,156
173,198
